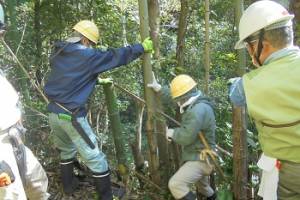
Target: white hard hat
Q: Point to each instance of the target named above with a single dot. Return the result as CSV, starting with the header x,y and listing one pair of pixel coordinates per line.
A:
x,y
262,14
1,14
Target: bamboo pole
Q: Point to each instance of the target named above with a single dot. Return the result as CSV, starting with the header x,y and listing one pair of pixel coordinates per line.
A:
x,y
207,47
115,121
149,94
160,123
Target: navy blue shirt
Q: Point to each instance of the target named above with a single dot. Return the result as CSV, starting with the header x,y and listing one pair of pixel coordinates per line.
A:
x,y
74,71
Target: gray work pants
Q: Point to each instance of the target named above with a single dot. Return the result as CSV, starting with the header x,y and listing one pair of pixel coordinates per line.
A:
x,y
189,173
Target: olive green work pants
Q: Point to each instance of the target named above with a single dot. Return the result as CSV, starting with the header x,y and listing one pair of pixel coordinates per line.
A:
x,y
289,181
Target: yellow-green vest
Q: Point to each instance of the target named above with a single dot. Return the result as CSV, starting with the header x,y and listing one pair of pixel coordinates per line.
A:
x,y
273,100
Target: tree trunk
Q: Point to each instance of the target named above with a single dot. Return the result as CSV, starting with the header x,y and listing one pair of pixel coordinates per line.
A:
x,y
241,69
136,146
295,8
183,20
149,95
38,42
206,79
240,163
207,47
182,28
37,29
115,124
123,22
164,164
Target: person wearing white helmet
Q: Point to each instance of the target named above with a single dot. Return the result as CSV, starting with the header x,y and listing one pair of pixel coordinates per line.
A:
x,y
21,175
75,66
272,93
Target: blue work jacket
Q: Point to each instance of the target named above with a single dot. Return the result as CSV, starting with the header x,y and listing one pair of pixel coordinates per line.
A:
x,y
74,71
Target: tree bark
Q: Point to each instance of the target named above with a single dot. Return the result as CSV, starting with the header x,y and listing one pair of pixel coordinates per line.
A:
x,y
136,146
38,41
240,161
183,20
149,95
207,47
295,8
164,164
241,53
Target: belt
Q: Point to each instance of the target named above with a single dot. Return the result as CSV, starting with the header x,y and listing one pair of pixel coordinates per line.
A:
x,y
5,130
289,162
77,126
64,116
12,126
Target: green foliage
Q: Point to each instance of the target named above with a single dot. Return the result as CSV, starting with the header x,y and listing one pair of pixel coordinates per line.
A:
x,y
40,23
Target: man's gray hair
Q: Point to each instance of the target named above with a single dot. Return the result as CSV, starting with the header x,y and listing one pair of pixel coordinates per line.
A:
x,y
280,37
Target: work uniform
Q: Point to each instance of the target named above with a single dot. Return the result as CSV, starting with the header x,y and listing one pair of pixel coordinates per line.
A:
x,y
197,117
74,73
272,94
35,183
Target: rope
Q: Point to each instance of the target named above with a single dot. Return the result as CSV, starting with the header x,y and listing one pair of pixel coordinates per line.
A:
x,y
212,156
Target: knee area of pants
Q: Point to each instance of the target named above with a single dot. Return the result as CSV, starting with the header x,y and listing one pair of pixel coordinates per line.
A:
x,y
97,165
93,154
173,184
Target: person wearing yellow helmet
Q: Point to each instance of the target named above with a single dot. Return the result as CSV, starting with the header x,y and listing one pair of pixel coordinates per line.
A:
x,y
75,65
271,93
88,29
197,116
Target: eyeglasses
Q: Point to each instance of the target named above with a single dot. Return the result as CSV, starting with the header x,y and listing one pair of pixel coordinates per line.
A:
x,y
249,43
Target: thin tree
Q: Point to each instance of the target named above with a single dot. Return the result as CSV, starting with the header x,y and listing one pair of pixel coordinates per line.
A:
x,y
240,161
164,164
207,47
183,21
149,95
295,8
116,126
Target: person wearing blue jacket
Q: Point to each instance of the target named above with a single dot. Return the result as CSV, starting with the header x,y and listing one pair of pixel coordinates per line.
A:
x,y
75,66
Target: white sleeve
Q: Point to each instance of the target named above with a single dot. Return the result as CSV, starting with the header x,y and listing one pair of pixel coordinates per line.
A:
x,y
36,178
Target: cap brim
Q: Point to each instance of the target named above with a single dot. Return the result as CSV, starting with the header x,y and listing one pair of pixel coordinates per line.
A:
x,y
239,45
73,39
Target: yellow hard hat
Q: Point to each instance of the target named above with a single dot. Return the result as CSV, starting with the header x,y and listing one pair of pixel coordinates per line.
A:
x,y
88,29
181,84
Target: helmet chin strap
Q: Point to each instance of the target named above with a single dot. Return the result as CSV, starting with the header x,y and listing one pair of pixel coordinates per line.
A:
x,y
259,46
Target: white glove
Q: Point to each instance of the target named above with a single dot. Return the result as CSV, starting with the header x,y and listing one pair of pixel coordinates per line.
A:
x,y
169,134
154,85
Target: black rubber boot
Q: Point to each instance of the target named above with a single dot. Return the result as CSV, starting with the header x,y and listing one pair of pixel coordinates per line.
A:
x,y
103,185
189,196
69,181
213,197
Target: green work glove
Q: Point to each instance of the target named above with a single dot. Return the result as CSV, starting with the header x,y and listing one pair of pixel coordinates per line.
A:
x,y
148,45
